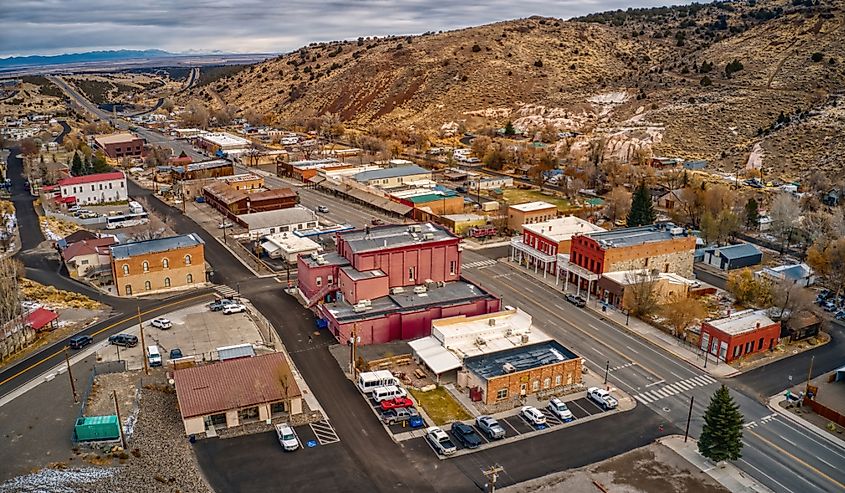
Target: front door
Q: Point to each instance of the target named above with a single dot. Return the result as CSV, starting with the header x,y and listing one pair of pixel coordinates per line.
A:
x,y
523,389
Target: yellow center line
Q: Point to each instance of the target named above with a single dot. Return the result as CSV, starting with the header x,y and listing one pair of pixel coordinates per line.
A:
x,y
48,358
796,459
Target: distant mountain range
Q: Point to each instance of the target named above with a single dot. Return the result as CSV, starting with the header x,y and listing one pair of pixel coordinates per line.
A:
x,y
89,56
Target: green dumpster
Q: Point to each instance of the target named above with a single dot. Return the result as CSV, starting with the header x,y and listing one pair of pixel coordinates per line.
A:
x,y
97,428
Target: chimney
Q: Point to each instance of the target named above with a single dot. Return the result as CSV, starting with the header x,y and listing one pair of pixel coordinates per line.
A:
x,y
758,325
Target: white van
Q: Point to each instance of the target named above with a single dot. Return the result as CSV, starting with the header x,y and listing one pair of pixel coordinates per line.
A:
x,y
153,356
368,381
389,392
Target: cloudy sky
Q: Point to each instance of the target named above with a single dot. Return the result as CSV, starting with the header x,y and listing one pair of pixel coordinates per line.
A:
x,y
50,27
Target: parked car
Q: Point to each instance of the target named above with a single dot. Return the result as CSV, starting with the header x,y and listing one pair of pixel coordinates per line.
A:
x,y
533,415
233,308
399,415
461,189
440,441
830,306
175,353
287,437
396,403
840,315
80,341
490,427
388,392
377,222
125,340
576,300
559,409
322,208
602,398
218,305
465,435
161,323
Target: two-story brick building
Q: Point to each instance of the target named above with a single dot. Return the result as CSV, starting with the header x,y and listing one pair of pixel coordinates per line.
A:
x,y
740,334
120,145
540,243
162,264
390,282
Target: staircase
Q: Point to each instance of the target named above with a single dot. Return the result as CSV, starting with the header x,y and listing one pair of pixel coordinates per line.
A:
x,y
328,288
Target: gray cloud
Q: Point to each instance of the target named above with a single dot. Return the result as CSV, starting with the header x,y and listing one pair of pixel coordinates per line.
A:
x,y
60,26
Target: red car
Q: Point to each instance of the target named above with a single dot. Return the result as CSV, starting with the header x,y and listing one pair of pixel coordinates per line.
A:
x,y
396,403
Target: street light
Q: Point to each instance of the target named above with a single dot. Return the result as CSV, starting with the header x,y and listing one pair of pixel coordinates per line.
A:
x,y
606,370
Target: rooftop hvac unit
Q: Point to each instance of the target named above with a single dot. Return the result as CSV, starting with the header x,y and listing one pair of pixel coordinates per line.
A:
x,y
480,341
314,255
428,236
508,368
491,322
524,339
366,303
321,260
361,306
397,290
677,231
415,228
420,289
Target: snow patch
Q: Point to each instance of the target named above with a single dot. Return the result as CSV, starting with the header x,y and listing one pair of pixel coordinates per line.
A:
x,y
755,159
56,480
617,97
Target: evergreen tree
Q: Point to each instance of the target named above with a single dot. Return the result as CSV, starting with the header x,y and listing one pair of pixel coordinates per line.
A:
x,y
752,214
721,437
509,130
77,168
642,211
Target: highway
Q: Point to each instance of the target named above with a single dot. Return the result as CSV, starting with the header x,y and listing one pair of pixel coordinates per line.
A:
x,y
778,453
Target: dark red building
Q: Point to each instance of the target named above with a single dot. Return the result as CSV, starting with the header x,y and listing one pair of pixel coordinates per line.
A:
x,y
740,334
117,146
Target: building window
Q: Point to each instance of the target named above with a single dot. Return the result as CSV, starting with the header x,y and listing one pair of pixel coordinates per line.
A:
x,y
189,278
319,281
145,266
128,289
760,344
272,230
277,408
557,380
646,261
501,394
547,382
187,260
329,279
411,274
453,265
125,269
167,282
148,285
165,263
535,386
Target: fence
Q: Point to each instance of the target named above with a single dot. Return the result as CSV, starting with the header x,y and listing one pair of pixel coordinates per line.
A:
x,y
825,411
98,222
99,369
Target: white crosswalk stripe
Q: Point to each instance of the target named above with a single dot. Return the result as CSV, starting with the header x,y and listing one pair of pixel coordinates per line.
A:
x,y
225,290
479,264
675,388
626,365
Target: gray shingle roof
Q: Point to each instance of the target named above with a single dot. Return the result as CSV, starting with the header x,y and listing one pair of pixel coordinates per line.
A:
x,y
738,251
129,250
379,174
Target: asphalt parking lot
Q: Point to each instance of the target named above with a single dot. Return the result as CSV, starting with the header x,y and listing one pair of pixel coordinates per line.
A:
x,y
398,428
517,425
196,331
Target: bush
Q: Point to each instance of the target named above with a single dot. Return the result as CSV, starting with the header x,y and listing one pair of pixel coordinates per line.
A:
x,y
476,48
816,57
706,81
538,63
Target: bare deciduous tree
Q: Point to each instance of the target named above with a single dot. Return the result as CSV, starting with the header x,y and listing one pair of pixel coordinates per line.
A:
x,y
642,298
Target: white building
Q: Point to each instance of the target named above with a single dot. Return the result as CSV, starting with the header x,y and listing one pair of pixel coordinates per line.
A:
x,y
94,189
295,218
288,246
224,141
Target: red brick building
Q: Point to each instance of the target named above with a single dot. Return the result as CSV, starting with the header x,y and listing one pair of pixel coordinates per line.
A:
x,y
233,202
740,334
120,145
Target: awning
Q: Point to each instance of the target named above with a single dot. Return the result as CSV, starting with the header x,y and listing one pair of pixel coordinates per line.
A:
x,y
40,318
434,355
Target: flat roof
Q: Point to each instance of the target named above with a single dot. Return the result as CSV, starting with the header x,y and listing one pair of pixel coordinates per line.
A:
x,y
628,277
224,139
456,292
625,237
392,236
214,163
316,163
742,322
523,358
394,172
357,275
289,243
331,258
488,333
562,228
281,217
533,206
119,138
128,250
434,355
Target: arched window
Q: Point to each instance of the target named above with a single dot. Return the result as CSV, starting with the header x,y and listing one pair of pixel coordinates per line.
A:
x,y
128,289
148,286
189,278
165,263
145,266
167,282
187,260
125,269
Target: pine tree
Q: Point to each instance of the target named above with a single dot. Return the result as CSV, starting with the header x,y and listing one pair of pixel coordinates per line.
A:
x,y
509,130
752,214
77,168
721,437
642,211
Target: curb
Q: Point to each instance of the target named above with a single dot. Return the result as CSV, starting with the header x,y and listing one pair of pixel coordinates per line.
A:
x,y
772,403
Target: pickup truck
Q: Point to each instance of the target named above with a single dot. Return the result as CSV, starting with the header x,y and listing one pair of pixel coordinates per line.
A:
x,y
398,415
490,427
466,435
440,441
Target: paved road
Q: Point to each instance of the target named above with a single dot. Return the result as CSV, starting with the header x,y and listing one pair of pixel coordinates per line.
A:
x,y
778,453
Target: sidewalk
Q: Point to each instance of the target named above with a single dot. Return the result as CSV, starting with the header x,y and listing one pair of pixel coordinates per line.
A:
x,y
728,475
643,330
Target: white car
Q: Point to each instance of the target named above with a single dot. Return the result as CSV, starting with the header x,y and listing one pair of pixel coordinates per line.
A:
x,y
233,308
533,415
440,441
602,398
161,323
559,409
287,437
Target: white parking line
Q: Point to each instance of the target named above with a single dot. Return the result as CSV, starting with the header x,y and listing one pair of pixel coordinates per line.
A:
x,y
511,427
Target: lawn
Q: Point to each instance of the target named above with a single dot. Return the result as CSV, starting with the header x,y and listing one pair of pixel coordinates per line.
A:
x,y
441,407
517,196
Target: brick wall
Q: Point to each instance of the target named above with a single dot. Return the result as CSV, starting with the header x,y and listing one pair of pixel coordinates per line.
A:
x,y
557,375
761,339
157,274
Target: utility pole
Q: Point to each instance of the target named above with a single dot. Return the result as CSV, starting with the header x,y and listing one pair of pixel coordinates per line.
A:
x,y
143,345
809,375
119,422
492,475
689,418
352,350
70,375
606,371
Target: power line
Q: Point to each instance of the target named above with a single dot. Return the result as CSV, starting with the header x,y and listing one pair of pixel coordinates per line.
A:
x,y
492,474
